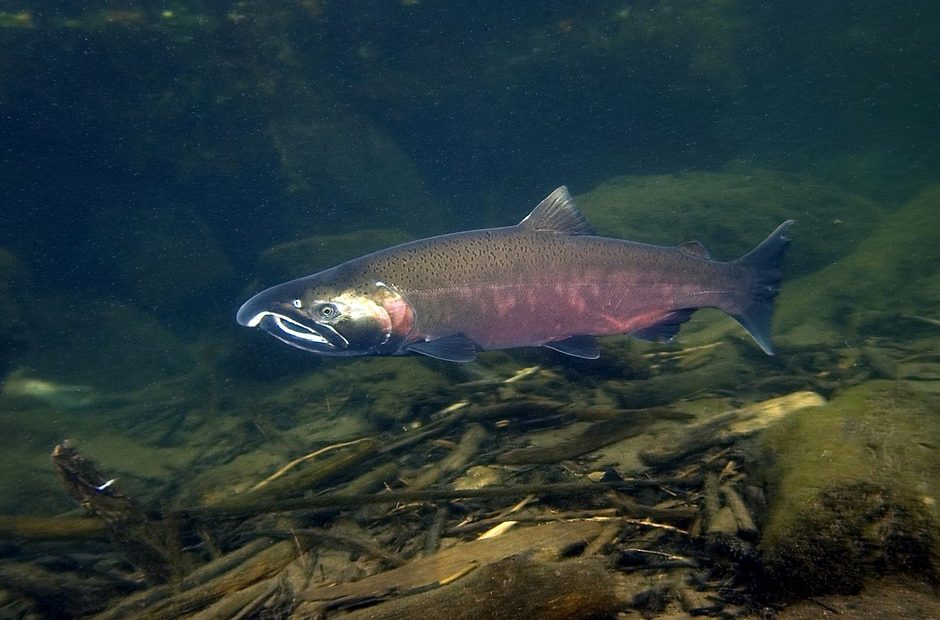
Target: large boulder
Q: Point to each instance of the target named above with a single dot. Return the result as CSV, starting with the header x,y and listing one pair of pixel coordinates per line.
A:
x,y
348,170
106,345
852,489
885,285
295,259
731,212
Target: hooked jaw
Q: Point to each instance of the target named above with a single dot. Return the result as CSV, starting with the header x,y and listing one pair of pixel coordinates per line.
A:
x,y
258,312
288,330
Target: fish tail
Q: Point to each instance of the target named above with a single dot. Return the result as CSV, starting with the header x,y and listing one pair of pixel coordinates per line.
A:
x,y
764,265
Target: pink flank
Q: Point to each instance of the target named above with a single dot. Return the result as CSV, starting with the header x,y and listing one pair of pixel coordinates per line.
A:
x,y
521,314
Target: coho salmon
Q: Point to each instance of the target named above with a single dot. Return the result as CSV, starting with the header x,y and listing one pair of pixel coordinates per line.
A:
x,y
548,281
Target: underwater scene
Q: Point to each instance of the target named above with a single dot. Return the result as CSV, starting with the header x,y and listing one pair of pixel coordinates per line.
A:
x,y
426,309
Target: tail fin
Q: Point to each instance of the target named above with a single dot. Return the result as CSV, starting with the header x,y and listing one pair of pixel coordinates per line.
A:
x,y
763,262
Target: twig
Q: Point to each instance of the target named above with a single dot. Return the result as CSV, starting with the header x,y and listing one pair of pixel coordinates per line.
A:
x,y
304,458
662,526
668,556
342,541
482,524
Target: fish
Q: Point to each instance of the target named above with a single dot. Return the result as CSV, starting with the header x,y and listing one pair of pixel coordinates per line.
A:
x,y
549,281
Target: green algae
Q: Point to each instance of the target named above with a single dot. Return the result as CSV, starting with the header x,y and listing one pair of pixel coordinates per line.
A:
x,y
732,211
882,431
110,345
312,254
891,273
853,489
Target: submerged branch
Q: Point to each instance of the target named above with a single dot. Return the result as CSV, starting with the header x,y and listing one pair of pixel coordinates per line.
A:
x,y
428,495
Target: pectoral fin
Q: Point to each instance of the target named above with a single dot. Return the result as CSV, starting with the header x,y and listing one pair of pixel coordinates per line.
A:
x,y
453,348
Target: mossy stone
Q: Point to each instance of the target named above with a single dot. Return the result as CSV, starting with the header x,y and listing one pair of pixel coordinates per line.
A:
x,y
306,256
110,346
731,212
892,273
852,488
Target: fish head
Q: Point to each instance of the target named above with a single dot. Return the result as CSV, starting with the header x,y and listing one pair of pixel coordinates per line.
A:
x,y
319,315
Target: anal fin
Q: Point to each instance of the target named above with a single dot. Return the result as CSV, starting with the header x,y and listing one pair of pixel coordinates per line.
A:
x,y
666,328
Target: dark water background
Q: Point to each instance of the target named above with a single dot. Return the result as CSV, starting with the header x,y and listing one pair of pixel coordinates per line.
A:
x,y
114,116
152,153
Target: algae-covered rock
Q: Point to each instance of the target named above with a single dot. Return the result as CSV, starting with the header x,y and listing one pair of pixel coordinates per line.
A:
x,y
166,258
348,168
106,345
852,489
892,273
731,212
313,254
386,390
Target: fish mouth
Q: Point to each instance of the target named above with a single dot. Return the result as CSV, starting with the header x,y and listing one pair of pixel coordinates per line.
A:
x,y
295,333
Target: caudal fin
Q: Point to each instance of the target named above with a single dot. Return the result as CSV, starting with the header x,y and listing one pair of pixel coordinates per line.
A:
x,y
763,263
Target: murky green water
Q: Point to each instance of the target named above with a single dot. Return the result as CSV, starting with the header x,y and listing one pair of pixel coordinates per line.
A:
x,y
161,162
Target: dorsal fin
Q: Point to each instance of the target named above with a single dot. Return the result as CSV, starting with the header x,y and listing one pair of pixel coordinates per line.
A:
x,y
557,213
694,248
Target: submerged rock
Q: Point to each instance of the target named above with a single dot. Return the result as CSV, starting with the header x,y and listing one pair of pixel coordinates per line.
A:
x,y
346,168
731,212
887,280
107,345
166,258
852,490
306,256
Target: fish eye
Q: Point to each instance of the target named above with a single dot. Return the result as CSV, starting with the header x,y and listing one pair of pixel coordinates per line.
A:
x,y
327,311
298,304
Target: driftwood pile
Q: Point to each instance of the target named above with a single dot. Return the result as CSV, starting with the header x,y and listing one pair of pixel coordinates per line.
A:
x,y
455,518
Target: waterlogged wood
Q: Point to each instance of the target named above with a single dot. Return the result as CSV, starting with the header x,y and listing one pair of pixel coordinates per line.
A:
x,y
571,489
239,604
78,594
151,545
299,482
466,449
605,514
628,506
174,604
213,569
726,428
201,575
597,435
51,528
760,415
516,408
723,372
551,539
371,480
514,587
742,516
